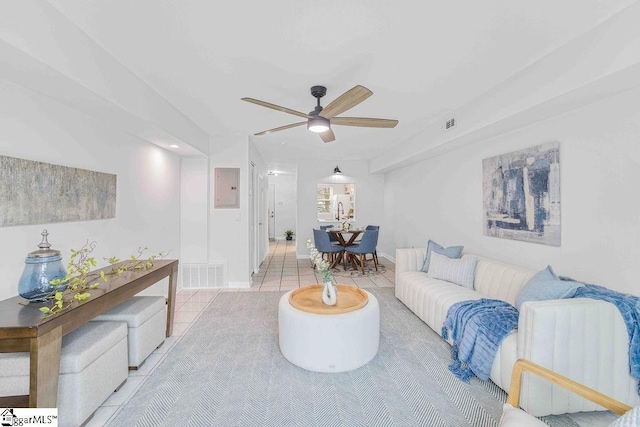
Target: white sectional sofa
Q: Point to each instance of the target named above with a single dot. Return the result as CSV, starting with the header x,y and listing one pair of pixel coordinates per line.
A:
x,y
583,339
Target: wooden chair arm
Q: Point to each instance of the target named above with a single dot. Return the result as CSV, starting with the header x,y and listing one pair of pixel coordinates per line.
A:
x,y
523,365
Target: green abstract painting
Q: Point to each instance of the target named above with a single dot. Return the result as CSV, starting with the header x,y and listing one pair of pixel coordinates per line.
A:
x,y
40,193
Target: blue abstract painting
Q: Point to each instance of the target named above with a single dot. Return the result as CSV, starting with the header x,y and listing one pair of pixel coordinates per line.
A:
x,y
522,195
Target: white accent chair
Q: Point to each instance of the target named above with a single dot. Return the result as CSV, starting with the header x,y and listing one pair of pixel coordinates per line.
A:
x,y
513,416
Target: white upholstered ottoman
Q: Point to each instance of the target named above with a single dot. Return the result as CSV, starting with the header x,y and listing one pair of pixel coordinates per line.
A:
x,y
146,318
329,342
93,363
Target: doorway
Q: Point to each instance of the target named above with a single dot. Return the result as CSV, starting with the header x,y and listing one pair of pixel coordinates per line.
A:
x,y
261,214
252,220
271,200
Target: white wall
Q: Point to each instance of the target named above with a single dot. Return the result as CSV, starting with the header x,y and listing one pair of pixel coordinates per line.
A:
x,y
223,236
441,198
147,213
369,196
285,204
194,210
229,228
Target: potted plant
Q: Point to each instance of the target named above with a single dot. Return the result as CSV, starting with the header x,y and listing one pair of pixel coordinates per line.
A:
x,y
289,234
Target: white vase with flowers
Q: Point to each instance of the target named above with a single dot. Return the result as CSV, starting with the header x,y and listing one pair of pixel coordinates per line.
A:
x,y
329,288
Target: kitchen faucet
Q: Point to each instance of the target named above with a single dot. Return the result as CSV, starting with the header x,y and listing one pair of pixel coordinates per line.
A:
x,y
340,204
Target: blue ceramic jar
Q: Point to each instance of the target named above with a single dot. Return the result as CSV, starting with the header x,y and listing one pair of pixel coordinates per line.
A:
x,y
41,267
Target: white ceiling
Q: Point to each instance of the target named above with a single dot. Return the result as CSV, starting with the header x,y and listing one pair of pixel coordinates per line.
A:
x,y
422,60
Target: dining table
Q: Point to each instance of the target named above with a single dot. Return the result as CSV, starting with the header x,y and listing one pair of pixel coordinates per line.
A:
x,y
346,238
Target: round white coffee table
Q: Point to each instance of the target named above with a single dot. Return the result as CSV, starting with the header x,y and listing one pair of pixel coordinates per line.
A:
x,y
336,341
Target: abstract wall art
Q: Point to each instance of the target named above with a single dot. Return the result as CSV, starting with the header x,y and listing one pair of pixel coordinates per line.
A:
x,y
522,195
40,193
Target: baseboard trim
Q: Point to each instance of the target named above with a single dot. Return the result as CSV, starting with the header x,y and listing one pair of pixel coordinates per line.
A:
x,y
387,256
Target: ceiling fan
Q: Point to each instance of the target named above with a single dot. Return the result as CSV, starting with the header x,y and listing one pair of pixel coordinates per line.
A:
x,y
320,119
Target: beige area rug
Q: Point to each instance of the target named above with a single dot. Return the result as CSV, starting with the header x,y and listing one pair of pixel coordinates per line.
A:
x,y
369,270
227,370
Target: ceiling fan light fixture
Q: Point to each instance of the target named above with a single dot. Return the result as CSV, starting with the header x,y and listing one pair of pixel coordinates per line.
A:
x,y
318,124
337,171
321,124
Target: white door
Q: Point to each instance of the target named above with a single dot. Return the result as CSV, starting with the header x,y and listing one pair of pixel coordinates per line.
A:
x,y
272,211
261,238
252,220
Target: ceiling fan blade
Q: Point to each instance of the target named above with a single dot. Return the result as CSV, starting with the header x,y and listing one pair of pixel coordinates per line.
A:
x,y
275,107
264,132
327,136
347,100
364,122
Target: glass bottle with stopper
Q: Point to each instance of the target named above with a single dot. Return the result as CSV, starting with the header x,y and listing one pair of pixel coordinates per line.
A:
x,y
41,267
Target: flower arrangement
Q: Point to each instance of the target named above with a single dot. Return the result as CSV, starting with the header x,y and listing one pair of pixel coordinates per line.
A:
x,y
321,265
75,286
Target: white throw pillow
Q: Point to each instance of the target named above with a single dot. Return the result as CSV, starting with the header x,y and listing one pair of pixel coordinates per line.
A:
x,y
514,417
459,271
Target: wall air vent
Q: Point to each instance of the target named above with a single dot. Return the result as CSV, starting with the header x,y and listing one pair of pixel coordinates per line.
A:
x,y
203,276
450,124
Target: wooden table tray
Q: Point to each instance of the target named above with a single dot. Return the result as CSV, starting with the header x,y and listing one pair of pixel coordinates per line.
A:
x,y
309,299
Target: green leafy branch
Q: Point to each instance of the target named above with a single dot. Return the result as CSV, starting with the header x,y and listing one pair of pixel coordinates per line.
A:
x,y
80,278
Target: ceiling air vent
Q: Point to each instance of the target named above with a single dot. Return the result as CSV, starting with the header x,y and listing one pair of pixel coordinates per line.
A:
x,y
450,124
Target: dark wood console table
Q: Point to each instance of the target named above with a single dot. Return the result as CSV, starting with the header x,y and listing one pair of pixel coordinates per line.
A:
x,y
23,328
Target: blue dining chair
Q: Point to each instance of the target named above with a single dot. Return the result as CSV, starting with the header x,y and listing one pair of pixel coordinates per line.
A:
x,y
324,246
374,227
332,238
367,246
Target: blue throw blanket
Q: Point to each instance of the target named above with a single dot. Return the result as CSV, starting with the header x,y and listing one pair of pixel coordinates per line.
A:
x,y
477,329
629,307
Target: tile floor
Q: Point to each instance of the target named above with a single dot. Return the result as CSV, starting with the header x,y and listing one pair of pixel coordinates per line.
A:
x,y
280,271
